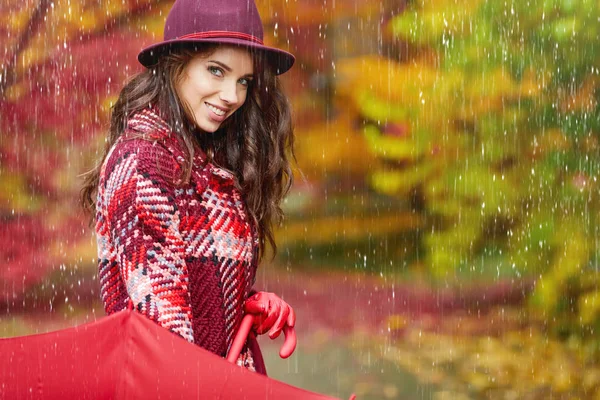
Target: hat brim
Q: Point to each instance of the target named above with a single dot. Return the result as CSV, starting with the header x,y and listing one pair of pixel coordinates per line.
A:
x,y
280,60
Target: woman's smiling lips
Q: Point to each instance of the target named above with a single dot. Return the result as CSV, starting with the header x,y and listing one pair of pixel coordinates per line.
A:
x,y
216,113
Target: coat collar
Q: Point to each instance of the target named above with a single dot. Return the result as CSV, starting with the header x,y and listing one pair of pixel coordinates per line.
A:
x,y
152,126
149,122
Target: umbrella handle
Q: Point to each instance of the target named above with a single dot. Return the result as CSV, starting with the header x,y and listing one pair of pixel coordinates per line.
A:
x,y
289,344
240,338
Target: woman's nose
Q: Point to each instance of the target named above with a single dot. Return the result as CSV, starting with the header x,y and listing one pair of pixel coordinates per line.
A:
x,y
229,93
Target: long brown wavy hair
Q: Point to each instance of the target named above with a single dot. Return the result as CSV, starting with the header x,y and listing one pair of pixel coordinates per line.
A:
x,y
256,143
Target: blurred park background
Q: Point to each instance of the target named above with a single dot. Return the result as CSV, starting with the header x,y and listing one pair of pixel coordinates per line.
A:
x,y
442,238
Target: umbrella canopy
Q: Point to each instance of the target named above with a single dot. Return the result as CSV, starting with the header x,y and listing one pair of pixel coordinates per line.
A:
x,y
126,356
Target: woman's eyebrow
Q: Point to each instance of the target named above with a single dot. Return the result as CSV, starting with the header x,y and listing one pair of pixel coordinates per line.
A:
x,y
228,68
220,64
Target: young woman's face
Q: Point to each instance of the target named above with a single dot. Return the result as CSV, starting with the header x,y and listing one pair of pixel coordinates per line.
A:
x,y
215,86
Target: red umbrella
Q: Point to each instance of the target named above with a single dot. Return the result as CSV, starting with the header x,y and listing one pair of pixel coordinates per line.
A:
x,y
126,356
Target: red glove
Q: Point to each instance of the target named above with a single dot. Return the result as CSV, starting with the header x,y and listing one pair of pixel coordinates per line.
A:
x,y
273,314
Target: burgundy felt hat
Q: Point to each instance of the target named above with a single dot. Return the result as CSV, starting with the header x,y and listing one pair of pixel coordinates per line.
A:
x,y
215,21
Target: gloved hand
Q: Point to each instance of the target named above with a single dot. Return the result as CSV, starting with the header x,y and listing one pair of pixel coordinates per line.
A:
x,y
272,313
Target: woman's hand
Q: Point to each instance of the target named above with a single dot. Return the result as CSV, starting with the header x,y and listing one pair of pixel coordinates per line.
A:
x,y
272,313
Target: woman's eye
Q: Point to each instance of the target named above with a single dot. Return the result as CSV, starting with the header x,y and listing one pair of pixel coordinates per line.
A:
x,y
244,81
215,70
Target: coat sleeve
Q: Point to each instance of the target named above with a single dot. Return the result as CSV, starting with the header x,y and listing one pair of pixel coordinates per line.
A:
x,y
143,221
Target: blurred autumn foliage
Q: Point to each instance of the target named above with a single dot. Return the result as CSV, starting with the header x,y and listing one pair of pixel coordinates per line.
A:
x,y
490,122
456,140
63,62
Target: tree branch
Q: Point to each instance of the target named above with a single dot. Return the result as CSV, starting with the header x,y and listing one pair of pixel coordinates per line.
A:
x,y
8,76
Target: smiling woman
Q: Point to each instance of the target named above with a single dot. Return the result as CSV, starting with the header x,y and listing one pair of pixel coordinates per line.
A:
x,y
192,178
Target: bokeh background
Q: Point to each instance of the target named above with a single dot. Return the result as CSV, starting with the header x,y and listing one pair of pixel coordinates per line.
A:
x,y
442,236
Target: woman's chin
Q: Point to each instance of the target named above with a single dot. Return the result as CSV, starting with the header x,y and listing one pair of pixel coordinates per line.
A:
x,y
208,126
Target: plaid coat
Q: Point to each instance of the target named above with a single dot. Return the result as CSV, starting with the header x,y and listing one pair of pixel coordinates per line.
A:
x,y
185,254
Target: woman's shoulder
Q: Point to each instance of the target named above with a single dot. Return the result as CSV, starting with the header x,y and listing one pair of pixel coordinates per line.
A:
x,y
147,139
149,122
141,155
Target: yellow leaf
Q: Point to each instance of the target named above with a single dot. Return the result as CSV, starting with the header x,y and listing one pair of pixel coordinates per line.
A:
x,y
14,195
340,228
16,21
389,147
332,146
400,182
447,4
397,322
589,307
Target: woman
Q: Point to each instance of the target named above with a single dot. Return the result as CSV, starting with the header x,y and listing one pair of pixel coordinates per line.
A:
x,y
195,168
